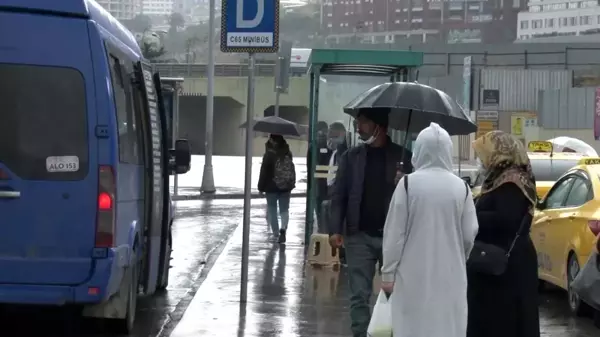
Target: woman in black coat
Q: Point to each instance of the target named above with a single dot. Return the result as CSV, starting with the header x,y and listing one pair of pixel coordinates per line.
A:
x,y
277,179
505,305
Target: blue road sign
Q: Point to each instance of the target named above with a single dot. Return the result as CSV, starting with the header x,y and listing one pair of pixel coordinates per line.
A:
x,y
250,26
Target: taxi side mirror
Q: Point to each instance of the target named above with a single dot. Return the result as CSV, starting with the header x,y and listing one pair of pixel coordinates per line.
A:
x,y
180,157
541,204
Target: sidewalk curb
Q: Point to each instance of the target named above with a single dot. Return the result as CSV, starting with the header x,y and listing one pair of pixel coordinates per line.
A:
x,y
217,196
211,258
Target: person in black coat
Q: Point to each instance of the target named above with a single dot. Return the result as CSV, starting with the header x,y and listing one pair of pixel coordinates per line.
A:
x,y
505,305
277,180
323,155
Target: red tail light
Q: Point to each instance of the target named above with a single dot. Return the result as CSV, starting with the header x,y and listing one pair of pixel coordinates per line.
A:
x,y
105,221
3,175
594,226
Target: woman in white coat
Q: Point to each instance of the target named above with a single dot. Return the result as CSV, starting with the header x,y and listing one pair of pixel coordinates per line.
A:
x,y
429,232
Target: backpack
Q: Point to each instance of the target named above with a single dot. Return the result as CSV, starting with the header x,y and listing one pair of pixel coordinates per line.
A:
x,y
284,175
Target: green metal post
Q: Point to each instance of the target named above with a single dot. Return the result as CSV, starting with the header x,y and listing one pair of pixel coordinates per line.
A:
x,y
312,145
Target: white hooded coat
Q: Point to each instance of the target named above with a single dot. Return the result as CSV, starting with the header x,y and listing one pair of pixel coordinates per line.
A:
x,y
428,265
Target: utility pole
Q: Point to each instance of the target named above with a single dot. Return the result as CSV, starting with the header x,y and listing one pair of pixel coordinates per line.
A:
x,y
208,179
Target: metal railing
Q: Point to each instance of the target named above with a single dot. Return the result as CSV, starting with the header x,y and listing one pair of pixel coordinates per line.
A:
x,y
221,70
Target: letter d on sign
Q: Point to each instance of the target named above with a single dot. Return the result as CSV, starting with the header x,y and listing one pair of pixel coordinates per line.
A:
x,y
240,22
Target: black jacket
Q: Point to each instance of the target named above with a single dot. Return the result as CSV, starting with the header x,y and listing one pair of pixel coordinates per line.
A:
x,y
267,167
505,305
348,188
323,155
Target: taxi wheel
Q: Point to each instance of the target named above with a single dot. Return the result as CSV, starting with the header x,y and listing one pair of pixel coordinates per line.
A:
x,y
577,306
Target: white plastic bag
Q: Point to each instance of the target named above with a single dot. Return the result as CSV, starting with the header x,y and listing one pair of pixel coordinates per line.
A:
x,y
381,320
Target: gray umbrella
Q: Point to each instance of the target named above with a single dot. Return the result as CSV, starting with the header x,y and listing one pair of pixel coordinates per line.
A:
x,y
412,107
275,125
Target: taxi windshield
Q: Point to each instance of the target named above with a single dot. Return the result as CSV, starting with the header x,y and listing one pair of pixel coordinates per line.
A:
x,y
551,170
543,169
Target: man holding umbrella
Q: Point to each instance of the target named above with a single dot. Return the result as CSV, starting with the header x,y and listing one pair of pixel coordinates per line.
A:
x,y
365,182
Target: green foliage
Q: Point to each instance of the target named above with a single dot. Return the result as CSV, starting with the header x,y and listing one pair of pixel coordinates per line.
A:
x,y
150,53
176,21
138,24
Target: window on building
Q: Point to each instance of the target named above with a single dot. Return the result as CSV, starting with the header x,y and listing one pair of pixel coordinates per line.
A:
x,y
573,21
549,23
562,22
537,24
573,5
585,20
535,9
524,24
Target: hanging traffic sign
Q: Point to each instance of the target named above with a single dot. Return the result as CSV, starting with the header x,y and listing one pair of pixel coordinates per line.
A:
x,y
250,26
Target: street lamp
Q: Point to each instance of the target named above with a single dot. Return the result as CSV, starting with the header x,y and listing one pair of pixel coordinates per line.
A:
x,y
208,180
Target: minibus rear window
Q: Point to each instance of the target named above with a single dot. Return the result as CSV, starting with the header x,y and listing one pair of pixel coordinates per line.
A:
x,y
43,122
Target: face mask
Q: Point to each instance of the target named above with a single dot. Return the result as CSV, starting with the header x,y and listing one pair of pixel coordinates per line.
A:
x,y
371,139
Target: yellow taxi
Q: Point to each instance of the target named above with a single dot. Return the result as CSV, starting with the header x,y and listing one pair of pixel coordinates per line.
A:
x,y
566,225
547,166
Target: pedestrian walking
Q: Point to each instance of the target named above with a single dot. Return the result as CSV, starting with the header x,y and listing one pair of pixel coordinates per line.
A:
x,y
277,180
364,184
323,155
503,297
428,235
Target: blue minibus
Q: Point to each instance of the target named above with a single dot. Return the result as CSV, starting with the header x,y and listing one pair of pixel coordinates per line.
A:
x,y
85,209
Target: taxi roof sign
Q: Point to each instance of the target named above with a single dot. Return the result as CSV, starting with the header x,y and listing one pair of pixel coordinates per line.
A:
x,y
589,161
540,146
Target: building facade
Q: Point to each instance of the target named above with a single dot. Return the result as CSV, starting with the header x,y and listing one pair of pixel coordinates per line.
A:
x,y
121,9
158,7
559,18
385,21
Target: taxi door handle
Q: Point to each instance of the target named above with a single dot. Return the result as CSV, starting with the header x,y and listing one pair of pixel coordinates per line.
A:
x,y
572,216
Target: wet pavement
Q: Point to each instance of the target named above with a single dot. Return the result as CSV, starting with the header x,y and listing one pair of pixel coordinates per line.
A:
x,y
287,299
228,172
200,232
284,298
229,177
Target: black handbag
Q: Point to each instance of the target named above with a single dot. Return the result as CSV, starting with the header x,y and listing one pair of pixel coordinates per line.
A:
x,y
490,259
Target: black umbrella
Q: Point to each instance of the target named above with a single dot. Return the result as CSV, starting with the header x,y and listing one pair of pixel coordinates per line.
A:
x,y
275,125
412,107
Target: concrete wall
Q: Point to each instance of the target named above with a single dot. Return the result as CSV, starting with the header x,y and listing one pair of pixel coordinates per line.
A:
x,y
228,138
230,112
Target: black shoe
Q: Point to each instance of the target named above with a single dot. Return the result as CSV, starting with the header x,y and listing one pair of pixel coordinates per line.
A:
x,y
282,236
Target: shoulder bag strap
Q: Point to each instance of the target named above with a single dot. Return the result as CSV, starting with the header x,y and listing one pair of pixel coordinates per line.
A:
x,y
518,234
408,223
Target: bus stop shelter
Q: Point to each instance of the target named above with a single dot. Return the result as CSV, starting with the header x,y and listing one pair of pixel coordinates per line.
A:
x,y
391,66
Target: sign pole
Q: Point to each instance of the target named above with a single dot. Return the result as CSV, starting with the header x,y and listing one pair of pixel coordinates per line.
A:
x,y
247,180
277,98
282,75
249,27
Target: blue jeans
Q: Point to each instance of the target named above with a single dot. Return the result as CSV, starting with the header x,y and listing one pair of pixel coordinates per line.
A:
x,y
273,200
362,254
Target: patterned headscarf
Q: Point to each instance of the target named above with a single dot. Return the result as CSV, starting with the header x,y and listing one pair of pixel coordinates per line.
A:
x,y
506,161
